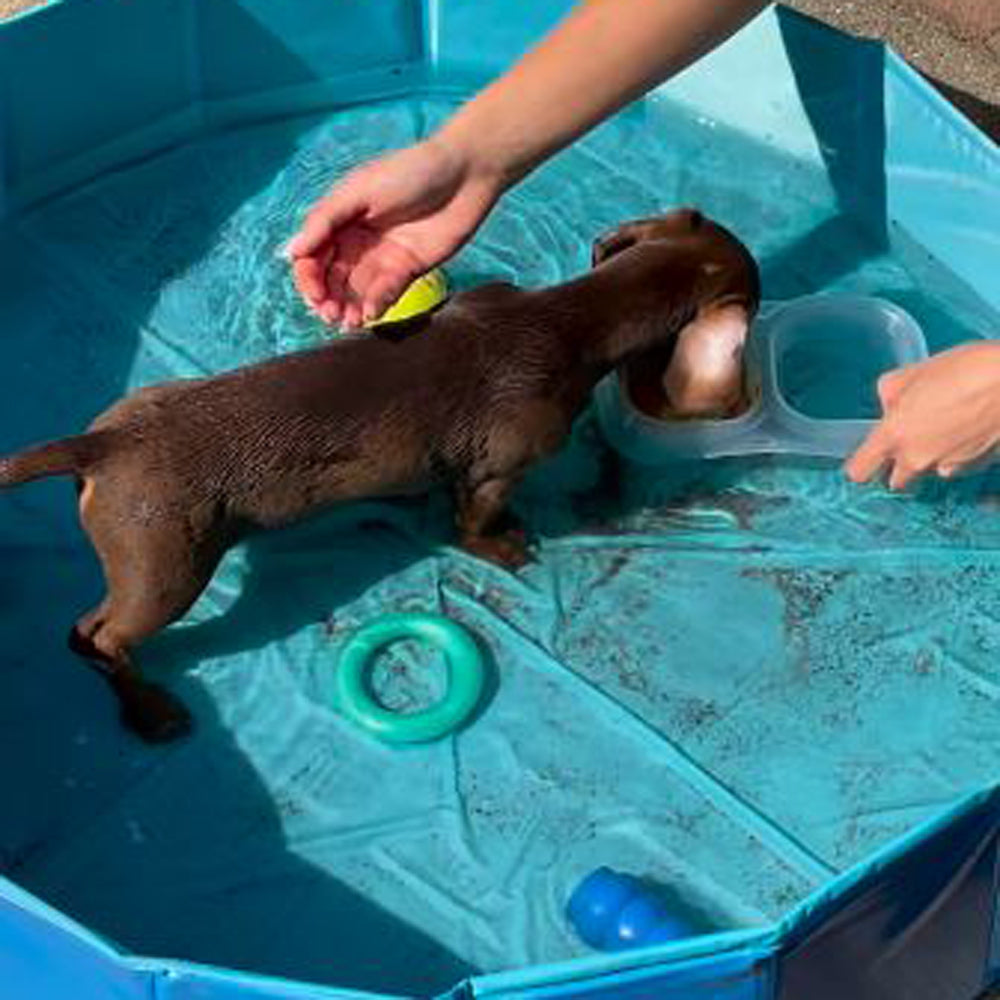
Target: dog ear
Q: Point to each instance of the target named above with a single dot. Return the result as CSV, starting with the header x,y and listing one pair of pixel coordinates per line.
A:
x,y
679,225
705,377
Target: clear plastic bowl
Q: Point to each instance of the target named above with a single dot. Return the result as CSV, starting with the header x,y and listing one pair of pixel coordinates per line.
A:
x,y
812,368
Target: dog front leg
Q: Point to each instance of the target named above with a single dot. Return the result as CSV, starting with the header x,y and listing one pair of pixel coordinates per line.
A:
x,y
480,516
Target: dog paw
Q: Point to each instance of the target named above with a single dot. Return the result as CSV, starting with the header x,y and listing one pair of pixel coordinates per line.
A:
x,y
154,714
508,550
81,645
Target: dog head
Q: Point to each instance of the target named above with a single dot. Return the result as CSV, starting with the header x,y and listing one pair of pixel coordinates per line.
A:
x,y
712,283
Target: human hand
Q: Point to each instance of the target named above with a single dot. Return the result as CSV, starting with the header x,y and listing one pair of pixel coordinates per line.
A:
x,y
385,224
940,416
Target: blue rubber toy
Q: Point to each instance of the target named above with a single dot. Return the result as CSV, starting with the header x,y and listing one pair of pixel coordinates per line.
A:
x,y
612,911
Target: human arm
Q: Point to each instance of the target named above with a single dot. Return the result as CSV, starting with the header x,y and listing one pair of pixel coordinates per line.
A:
x,y
401,215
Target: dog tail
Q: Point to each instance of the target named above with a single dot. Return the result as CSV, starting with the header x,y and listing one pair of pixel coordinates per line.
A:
x,y
58,458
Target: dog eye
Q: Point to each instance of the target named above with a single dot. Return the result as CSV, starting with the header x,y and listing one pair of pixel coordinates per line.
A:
x,y
610,245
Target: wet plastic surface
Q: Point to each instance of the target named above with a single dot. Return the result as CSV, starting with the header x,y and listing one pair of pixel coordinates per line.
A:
x,y
740,678
812,366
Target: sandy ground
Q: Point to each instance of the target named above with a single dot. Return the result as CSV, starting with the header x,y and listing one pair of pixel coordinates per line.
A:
x,y
964,64
961,56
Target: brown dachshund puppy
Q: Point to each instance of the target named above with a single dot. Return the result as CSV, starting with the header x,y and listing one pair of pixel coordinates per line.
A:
x,y
470,396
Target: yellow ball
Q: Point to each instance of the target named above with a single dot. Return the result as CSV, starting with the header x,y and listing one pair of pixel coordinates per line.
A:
x,y
422,295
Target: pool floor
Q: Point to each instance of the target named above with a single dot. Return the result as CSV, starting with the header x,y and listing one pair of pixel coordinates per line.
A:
x,y
736,678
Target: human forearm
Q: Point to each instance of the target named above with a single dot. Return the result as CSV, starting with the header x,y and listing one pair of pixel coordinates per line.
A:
x,y
603,55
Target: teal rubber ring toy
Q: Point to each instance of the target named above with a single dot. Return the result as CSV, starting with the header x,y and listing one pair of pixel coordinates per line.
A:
x,y
466,678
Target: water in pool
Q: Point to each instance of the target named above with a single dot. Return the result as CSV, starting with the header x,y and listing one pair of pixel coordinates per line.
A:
x,y
703,678
833,373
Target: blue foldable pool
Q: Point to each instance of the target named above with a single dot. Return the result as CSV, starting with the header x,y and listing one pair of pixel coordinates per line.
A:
x,y
775,695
